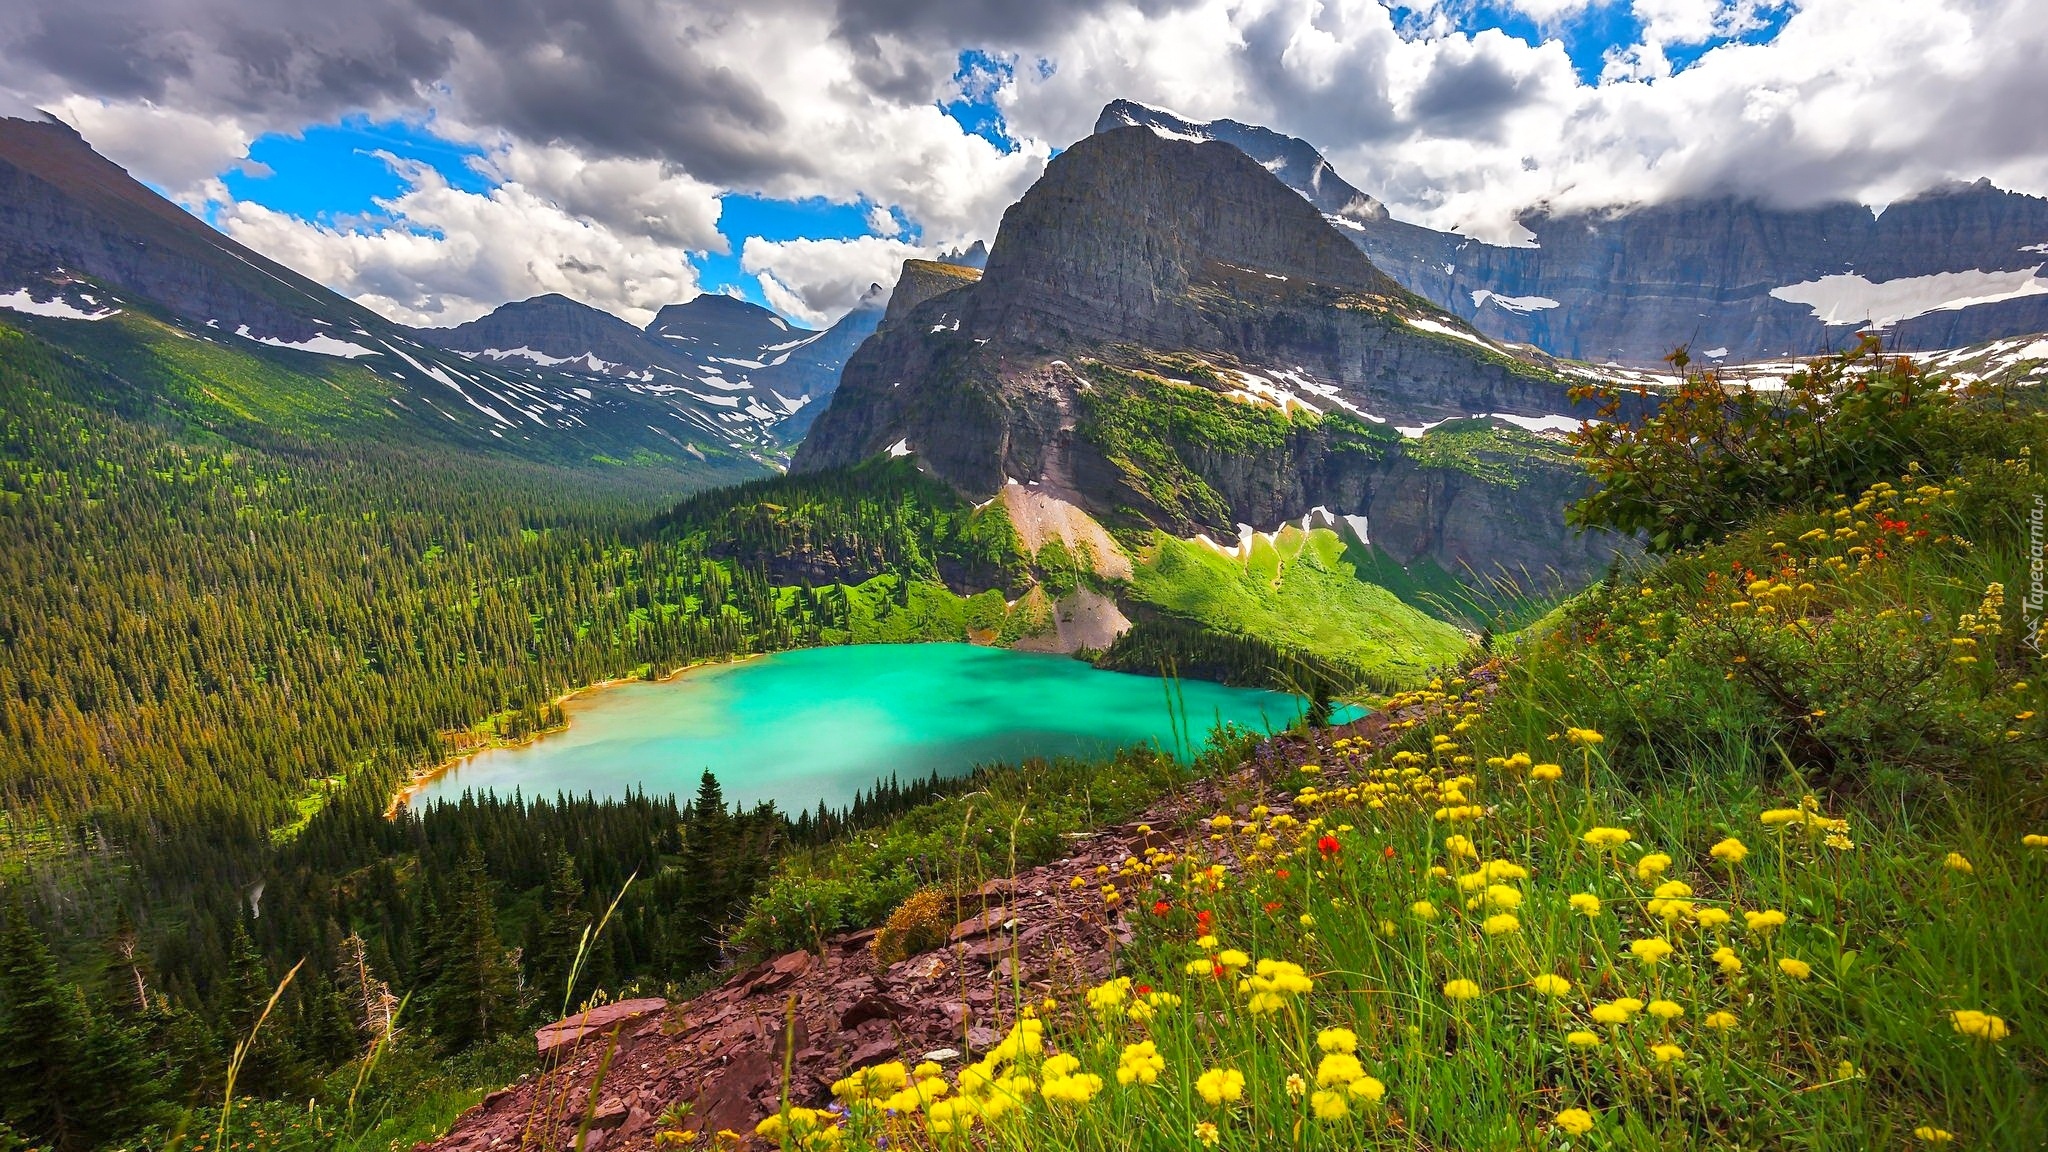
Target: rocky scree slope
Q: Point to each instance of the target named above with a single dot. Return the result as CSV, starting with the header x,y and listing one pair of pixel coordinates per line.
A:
x,y
1168,336
1734,278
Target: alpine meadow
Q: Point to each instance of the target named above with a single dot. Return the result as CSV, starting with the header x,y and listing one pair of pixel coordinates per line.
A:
x,y
1098,576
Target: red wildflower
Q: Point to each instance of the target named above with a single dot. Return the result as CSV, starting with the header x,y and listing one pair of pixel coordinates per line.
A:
x,y
1328,845
1272,905
1142,989
1281,873
1202,919
1389,853
1161,908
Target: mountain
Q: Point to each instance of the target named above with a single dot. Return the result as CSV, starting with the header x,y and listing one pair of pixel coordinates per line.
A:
x,y
1735,279
734,369
1207,364
1297,165
202,330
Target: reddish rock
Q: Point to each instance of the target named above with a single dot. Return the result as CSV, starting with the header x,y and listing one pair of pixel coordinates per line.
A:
x,y
980,923
596,1022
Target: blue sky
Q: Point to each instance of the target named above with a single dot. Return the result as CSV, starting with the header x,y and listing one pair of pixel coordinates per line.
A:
x,y
335,175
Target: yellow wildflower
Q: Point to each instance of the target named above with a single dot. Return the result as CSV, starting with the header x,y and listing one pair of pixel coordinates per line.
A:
x,y
1140,1063
1730,851
1077,1088
2034,840
1765,922
1666,1053
1220,1086
1957,862
1338,1068
1720,1020
1369,1088
1574,1121
1206,1133
1586,904
1666,1009
1606,837
1501,923
1650,950
1711,917
1550,985
1546,772
1652,866
1329,1105
1725,957
1503,897
1337,1040
1460,846
1583,737
1295,1085
1796,969
1583,1039
1423,910
1610,1014
1461,990
1933,1135
1982,1025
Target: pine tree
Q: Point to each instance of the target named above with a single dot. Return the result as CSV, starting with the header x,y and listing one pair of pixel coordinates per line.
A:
x,y
470,991
559,937
66,1079
706,850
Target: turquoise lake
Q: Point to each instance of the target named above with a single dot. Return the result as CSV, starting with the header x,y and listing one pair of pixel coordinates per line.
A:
x,y
823,723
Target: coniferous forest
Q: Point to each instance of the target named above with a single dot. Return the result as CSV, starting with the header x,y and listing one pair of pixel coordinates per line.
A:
x,y
225,649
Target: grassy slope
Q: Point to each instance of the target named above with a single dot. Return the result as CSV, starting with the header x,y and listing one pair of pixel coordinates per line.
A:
x,y
1300,589
1907,860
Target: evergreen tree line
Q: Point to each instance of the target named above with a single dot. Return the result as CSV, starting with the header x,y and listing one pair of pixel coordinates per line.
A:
x,y
206,634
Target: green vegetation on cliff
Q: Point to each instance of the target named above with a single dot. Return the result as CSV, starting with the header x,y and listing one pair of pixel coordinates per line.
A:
x,y
1299,590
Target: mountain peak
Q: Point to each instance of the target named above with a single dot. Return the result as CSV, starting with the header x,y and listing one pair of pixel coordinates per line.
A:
x,y
1294,161
1110,241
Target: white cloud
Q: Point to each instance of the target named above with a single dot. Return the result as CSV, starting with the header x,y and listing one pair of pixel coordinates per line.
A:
x,y
450,255
614,158
179,151
817,281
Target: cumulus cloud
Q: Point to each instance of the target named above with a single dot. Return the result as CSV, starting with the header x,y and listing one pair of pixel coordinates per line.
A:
x,y
449,255
614,124
817,281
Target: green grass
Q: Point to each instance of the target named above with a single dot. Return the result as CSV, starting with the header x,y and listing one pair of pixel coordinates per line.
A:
x,y
1299,589
1843,691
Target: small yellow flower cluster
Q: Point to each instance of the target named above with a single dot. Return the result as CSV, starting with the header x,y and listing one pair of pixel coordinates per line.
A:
x,y
1272,982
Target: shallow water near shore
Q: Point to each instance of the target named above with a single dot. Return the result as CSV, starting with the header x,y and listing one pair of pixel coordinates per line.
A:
x,y
820,724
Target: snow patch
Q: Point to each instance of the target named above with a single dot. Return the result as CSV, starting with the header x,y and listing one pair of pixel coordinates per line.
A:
x,y
1847,298
322,344
1715,353
1444,330
1520,305
20,301
900,448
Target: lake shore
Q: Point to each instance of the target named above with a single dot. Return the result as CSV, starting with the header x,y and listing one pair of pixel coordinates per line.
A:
x,y
418,780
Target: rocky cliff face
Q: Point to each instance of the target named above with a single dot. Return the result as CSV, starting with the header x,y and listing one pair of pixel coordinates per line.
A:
x,y
1736,280
1167,334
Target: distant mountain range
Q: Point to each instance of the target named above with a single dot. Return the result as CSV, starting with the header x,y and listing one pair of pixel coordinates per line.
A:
x,y
711,378
1735,280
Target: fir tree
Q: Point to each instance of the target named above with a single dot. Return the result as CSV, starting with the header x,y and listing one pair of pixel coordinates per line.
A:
x,y
470,989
